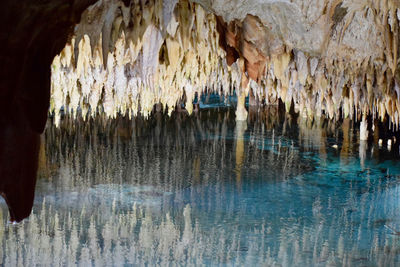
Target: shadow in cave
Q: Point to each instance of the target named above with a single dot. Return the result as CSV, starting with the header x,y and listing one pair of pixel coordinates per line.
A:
x,y
19,150
31,34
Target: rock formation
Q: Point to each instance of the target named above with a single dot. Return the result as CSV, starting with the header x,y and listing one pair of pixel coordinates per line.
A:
x,y
31,34
327,57
129,58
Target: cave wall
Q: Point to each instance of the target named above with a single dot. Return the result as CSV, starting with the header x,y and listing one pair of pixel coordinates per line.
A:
x,y
31,34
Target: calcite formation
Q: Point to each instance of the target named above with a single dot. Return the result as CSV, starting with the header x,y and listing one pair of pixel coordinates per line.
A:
x,y
125,59
334,58
330,58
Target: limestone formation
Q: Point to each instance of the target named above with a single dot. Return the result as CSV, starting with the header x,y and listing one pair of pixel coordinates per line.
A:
x,y
326,57
153,53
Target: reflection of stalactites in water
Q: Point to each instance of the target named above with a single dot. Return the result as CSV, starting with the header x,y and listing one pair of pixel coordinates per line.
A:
x,y
240,128
114,156
344,152
134,192
363,152
323,135
313,135
136,236
43,168
196,168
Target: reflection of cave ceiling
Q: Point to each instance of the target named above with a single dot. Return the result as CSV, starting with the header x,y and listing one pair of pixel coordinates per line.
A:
x,y
328,56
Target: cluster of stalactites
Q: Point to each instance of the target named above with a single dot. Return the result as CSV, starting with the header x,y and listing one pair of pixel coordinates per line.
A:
x,y
160,51
150,60
339,91
333,83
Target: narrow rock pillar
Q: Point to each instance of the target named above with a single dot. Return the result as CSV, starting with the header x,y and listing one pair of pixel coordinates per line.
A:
x,y
241,112
363,128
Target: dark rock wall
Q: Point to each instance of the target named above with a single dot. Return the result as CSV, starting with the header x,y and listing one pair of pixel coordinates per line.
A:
x,y
31,34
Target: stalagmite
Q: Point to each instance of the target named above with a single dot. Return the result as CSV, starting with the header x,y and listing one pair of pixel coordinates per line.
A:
x,y
241,112
362,151
363,129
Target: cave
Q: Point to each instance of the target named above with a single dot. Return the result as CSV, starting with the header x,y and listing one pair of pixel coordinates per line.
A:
x,y
199,132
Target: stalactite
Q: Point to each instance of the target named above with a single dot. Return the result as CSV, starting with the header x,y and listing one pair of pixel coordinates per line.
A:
x,y
125,59
154,61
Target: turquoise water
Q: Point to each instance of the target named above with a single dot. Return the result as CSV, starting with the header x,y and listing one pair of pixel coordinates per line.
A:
x,y
204,190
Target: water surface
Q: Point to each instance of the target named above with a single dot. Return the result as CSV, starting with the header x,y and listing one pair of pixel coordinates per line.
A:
x,y
205,190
